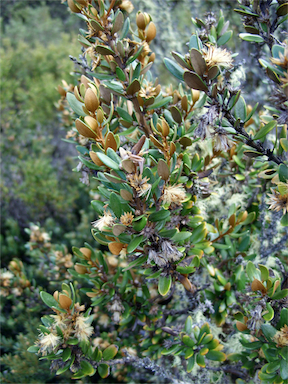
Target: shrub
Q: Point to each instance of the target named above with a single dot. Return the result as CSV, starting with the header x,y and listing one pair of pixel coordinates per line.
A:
x,y
188,261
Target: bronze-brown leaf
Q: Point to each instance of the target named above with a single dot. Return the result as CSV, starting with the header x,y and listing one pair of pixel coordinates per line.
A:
x,y
163,170
194,81
197,61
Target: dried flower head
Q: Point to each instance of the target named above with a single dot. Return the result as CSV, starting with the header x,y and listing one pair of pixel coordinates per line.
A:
x,y
127,6
48,342
105,221
127,218
278,202
173,194
221,142
281,337
141,185
170,252
217,56
148,90
83,329
158,258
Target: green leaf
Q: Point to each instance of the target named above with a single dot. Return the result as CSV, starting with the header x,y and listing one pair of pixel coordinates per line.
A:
x,y
283,173
251,270
124,114
164,285
191,363
174,68
66,354
264,130
251,113
87,368
264,272
134,263
224,38
163,214
103,370
107,161
269,316
269,331
284,220
110,352
280,295
181,236
216,356
240,109
75,104
115,204
188,341
284,369
33,349
134,243
188,324
200,360
251,37
185,270
160,102
63,369
48,299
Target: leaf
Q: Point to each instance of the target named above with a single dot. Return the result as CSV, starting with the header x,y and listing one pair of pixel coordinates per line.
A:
x,y
163,170
269,331
104,50
163,214
133,88
181,60
120,74
103,370
75,104
191,363
280,295
264,130
284,369
124,114
216,356
115,204
188,325
118,23
110,352
224,38
174,69
84,129
164,285
66,354
284,220
188,341
283,173
197,61
107,161
48,299
134,243
251,270
194,81
268,316
240,109
33,349
251,37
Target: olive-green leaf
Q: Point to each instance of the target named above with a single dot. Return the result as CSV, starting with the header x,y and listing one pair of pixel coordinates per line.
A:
x,y
75,104
163,214
107,161
224,38
134,243
48,299
216,356
164,285
251,37
264,130
110,352
174,68
194,81
103,370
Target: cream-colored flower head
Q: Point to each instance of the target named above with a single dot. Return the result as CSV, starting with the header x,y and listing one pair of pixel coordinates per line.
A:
x,y
281,337
83,329
173,194
127,6
104,221
278,202
48,342
221,142
217,56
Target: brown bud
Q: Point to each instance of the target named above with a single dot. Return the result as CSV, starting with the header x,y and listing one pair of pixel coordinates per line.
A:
x,y
151,57
100,116
151,32
56,295
80,269
93,123
165,128
240,326
84,3
91,100
140,21
64,301
73,6
186,283
61,91
195,95
86,252
115,248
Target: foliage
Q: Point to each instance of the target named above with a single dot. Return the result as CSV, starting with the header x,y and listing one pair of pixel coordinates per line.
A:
x,y
186,277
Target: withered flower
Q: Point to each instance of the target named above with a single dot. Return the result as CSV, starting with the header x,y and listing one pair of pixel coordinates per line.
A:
x,y
217,56
221,142
141,186
281,337
170,252
148,90
278,202
173,194
158,258
105,221
127,6
127,218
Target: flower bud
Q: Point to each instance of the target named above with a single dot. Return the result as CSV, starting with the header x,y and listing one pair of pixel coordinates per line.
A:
x,y
91,100
73,7
140,21
151,32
